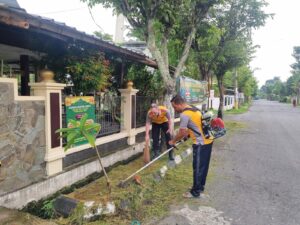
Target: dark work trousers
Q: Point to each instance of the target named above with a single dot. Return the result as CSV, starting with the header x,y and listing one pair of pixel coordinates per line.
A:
x,y
201,159
156,128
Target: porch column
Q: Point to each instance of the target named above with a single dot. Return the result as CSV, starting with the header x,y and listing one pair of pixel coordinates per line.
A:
x,y
128,113
53,121
24,66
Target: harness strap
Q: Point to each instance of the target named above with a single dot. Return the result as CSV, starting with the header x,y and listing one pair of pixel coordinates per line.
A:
x,y
193,109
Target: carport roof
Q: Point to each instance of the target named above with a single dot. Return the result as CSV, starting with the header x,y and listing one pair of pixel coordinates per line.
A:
x,y
10,3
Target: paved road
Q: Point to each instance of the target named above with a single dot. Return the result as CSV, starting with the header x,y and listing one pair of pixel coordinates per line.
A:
x,y
259,180
257,175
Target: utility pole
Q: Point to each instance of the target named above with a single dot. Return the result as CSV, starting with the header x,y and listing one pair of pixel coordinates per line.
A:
x,y
120,28
236,93
208,92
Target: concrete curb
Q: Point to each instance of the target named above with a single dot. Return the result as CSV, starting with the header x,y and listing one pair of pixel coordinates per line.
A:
x,y
160,174
65,206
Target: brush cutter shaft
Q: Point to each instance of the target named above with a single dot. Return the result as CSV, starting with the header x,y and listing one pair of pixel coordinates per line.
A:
x,y
151,162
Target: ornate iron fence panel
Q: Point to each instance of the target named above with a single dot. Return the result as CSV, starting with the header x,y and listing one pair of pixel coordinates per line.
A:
x,y
108,114
143,104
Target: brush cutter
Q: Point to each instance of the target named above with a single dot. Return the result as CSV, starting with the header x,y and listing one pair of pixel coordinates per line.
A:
x,y
123,182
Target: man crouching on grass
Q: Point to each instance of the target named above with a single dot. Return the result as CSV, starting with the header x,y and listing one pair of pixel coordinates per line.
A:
x,y
191,124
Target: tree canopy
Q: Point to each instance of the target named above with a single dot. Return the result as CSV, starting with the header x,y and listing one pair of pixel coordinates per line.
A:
x,y
157,22
198,38
275,89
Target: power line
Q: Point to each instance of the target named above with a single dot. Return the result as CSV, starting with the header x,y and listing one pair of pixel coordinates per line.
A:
x,y
76,9
95,20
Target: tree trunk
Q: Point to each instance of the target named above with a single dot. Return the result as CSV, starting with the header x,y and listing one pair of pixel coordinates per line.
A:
x,y
221,90
185,52
204,74
103,169
160,58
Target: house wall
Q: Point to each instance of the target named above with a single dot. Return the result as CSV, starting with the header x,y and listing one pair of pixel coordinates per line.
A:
x,y
214,103
228,102
22,138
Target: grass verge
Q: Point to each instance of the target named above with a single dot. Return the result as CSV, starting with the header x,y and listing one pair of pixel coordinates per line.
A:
x,y
151,200
232,125
145,203
242,109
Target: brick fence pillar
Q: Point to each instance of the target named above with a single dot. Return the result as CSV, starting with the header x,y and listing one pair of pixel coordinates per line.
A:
x,y
53,121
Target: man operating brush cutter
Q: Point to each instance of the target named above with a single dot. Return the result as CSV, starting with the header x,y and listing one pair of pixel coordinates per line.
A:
x,y
191,123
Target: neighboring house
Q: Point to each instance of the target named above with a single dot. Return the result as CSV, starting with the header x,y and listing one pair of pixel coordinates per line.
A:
x,y
138,46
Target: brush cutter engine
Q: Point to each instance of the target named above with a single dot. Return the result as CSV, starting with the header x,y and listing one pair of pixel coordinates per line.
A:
x,y
212,127
217,128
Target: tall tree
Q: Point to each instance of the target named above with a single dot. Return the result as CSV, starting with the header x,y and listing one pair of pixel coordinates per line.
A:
x,y
234,20
274,89
293,82
207,47
247,83
156,21
223,41
296,55
103,36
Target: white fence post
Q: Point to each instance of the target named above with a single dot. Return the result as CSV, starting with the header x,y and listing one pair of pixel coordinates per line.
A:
x,y
128,113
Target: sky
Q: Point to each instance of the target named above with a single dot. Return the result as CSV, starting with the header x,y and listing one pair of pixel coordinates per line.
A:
x,y
276,39
74,13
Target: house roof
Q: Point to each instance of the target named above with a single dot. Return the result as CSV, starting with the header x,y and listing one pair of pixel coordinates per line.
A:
x,y
10,3
11,15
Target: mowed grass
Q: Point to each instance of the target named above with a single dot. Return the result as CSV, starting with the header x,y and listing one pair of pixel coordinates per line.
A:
x,y
147,201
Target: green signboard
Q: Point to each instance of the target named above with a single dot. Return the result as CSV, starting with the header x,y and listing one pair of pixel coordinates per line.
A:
x,y
77,107
192,90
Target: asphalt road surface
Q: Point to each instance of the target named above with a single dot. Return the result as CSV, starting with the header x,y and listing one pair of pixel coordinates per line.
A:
x,y
258,181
